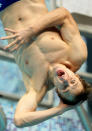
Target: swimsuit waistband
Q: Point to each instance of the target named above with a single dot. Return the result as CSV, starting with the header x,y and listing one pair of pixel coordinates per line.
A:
x,y
6,3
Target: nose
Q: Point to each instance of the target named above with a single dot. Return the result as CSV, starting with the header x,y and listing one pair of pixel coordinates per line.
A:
x,y
65,84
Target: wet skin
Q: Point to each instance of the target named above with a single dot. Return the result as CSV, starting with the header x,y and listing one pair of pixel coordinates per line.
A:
x,y
53,51
67,83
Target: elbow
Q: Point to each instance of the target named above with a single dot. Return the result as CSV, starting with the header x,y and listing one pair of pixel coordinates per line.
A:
x,y
64,9
65,12
20,122
17,122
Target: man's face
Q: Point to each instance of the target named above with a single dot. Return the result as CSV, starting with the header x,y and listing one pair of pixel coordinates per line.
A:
x,y
67,82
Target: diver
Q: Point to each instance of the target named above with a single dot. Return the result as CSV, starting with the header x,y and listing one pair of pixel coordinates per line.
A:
x,y
48,49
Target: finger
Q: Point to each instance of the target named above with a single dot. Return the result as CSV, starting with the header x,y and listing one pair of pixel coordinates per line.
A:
x,y
22,42
11,44
8,37
10,30
15,48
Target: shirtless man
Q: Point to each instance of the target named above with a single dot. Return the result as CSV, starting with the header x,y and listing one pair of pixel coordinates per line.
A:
x,y
48,60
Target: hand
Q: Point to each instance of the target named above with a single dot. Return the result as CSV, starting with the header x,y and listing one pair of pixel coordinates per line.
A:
x,y
20,37
62,106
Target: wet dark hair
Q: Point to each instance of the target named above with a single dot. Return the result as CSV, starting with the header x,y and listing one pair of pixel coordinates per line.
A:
x,y
80,97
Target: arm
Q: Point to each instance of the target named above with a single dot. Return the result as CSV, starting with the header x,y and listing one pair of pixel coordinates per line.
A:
x,y
33,118
69,32
56,17
59,16
27,116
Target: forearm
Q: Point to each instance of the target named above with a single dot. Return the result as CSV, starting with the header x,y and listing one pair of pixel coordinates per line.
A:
x,y
33,118
53,18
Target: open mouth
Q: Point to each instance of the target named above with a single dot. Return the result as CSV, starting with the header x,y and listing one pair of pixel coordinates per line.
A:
x,y
60,73
63,79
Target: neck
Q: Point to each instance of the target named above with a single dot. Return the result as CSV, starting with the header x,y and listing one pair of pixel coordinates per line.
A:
x,y
49,83
49,80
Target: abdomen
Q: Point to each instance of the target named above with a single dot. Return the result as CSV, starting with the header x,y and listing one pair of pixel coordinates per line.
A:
x,y
47,48
52,46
